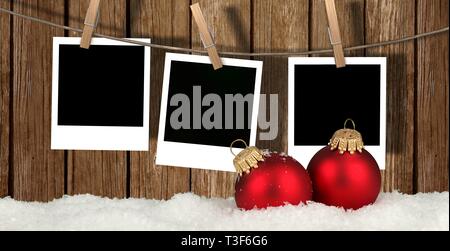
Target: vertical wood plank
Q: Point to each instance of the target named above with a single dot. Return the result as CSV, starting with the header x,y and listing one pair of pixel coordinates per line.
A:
x,y
387,20
229,21
351,21
5,71
165,22
279,26
38,171
101,173
432,122
351,14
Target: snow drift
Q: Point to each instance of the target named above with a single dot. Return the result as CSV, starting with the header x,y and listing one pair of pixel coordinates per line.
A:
x,y
392,211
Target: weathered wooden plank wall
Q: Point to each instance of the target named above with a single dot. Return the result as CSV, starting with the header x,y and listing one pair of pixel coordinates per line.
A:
x,y
5,76
272,20
418,92
229,22
432,106
98,172
37,172
386,20
165,22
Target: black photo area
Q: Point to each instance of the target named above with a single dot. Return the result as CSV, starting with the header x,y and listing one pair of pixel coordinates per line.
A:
x,y
102,86
326,96
227,80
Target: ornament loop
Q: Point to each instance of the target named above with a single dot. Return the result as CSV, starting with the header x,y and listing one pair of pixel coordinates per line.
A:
x,y
347,140
234,142
247,158
353,123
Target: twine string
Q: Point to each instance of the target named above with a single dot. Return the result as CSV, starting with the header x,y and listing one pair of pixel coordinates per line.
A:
x,y
225,53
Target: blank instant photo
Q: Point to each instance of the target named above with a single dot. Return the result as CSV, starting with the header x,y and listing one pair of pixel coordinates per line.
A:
x,y
322,97
199,118
100,96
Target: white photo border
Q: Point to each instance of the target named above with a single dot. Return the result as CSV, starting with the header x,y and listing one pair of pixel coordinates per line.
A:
x,y
304,154
106,138
196,155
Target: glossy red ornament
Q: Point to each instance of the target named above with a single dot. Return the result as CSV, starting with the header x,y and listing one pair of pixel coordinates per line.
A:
x,y
278,180
344,180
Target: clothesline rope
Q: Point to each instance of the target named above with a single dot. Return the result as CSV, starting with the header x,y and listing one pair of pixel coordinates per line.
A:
x,y
242,54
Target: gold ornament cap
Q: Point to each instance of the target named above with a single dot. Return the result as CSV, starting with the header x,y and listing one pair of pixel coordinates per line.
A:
x,y
247,158
347,139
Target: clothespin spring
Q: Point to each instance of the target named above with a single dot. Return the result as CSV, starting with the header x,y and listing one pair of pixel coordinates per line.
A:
x,y
206,36
331,38
94,25
206,46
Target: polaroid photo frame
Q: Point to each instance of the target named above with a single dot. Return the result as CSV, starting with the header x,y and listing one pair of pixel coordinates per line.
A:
x,y
322,97
100,96
203,148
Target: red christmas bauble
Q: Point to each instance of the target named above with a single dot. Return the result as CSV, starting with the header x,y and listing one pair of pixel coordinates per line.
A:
x,y
348,178
278,180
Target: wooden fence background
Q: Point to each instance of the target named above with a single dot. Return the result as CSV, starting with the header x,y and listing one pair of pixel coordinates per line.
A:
x,y
418,88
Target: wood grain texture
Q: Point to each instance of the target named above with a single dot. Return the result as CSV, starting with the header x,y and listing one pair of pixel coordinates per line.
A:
x,y
5,71
417,116
387,20
273,20
432,122
38,171
229,21
350,16
98,172
165,22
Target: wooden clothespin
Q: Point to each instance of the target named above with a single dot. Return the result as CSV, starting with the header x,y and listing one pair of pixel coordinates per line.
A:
x,y
334,33
207,39
90,23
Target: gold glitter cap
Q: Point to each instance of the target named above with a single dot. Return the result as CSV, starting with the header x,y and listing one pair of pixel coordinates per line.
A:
x,y
347,139
247,158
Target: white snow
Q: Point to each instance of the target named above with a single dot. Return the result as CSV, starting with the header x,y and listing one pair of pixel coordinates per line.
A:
x,y
392,211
